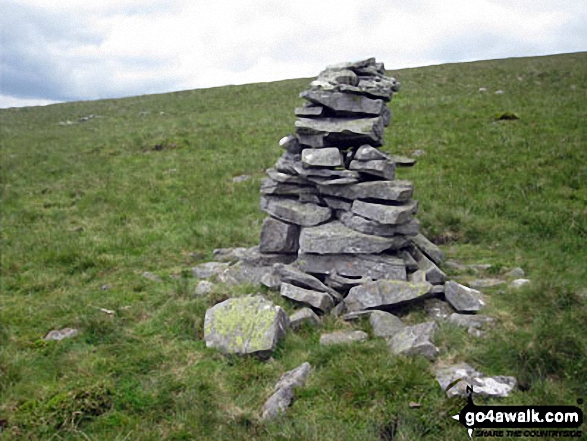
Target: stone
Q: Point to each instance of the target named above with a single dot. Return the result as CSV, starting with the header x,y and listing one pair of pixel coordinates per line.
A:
x,y
368,153
271,281
344,104
254,257
433,274
229,254
356,315
335,238
208,269
385,292
290,144
339,76
382,168
295,378
279,237
480,266
402,161
313,172
325,157
271,187
386,115
462,298
58,335
516,273
242,272
203,287
303,316
431,251
394,191
475,321
241,178
486,283
385,214
294,276
415,340
342,131
245,326
312,198
417,276
456,266
367,226
277,403
337,204
518,283
374,266
437,310
309,111
294,212
319,300
151,276
448,376
384,324
285,178
286,162
341,283
352,65
410,263
343,337
338,181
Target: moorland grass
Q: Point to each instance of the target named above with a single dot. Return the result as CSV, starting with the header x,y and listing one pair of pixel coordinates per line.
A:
x,y
146,185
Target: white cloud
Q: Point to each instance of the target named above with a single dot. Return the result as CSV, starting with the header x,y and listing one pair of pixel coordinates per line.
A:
x,y
72,49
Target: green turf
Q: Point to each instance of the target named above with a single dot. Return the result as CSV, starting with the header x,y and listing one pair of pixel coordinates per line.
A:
x,y
146,185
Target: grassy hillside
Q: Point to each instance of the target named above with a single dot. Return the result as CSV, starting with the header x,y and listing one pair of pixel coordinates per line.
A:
x,y
146,185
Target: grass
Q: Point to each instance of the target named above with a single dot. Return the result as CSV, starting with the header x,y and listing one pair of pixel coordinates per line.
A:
x,y
146,185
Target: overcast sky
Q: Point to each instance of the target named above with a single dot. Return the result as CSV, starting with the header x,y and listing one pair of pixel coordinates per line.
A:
x,y
69,50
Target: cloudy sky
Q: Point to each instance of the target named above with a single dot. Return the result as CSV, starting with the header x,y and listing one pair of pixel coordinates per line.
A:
x,y
69,50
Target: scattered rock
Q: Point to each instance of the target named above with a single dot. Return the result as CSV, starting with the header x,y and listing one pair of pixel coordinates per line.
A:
x,y
431,251
229,254
518,283
499,92
384,324
516,273
462,298
385,293
319,300
485,283
209,269
58,335
254,257
294,276
343,337
151,276
284,391
303,316
106,287
241,178
415,340
474,321
245,325
203,287
448,378
242,272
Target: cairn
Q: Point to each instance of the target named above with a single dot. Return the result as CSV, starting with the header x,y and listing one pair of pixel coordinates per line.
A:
x,y
335,206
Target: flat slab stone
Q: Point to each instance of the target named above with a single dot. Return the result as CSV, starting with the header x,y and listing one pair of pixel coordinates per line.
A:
x,y
369,153
344,104
369,226
285,178
433,274
343,337
303,316
60,334
284,390
271,187
337,203
254,257
286,162
319,300
485,283
374,266
462,298
294,212
209,269
325,157
475,321
518,283
342,131
415,340
279,237
203,287
382,168
290,144
335,238
385,292
341,283
385,214
294,276
498,386
313,172
229,254
428,248
309,111
402,161
395,191
245,325
384,324
241,273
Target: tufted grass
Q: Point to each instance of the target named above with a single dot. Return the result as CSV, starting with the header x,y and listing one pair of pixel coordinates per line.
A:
x,y
146,185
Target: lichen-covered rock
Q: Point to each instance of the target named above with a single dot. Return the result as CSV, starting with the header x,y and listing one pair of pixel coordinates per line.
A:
x,y
462,298
415,340
485,283
385,292
245,325
384,324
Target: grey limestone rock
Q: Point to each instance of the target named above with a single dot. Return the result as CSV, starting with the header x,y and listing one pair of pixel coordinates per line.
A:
x,y
403,161
339,76
428,248
369,153
475,321
285,178
319,300
290,144
229,254
486,283
382,168
309,111
279,237
374,266
245,325
209,269
433,274
342,131
325,157
254,257
344,104
385,292
151,276
516,273
203,287
369,226
448,378
314,172
518,283
415,340
60,334
271,187
343,337
242,272
335,238
385,214
284,391
394,191
437,310
292,211
337,203
303,316
338,282
384,324
294,276
462,298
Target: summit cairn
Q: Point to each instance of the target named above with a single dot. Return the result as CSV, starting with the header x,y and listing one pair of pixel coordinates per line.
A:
x,y
335,206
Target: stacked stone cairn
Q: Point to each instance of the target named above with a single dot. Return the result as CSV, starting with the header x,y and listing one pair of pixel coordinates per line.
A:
x,y
336,207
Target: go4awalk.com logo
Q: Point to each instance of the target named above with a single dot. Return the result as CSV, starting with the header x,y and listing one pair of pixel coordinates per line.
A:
x,y
541,422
